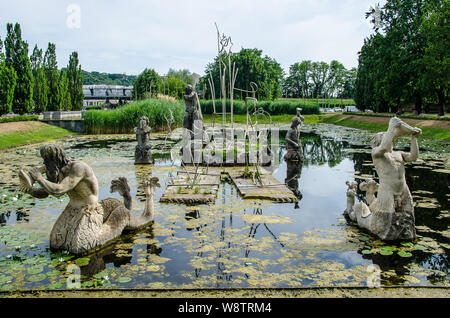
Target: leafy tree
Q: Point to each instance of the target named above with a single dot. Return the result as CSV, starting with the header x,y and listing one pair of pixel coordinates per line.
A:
x,y
40,89
17,58
252,67
348,89
298,81
319,77
185,75
175,86
148,84
53,77
8,80
66,102
436,61
75,82
95,78
406,60
336,78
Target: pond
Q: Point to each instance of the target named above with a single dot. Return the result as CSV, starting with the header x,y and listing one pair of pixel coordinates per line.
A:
x,y
233,243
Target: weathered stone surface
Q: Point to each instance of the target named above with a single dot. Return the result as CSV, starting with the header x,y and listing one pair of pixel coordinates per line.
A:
x,y
86,223
207,185
143,152
183,190
390,214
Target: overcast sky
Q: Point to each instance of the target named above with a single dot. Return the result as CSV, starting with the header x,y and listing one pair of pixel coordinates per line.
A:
x,y
118,36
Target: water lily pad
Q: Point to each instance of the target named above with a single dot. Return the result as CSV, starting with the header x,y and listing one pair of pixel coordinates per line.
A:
x,y
82,261
365,252
37,278
386,250
420,247
124,279
57,285
88,283
6,288
53,273
35,270
404,254
4,279
364,238
407,244
101,275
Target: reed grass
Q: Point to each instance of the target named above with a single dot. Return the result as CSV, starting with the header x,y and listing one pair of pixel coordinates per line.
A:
x,y
123,120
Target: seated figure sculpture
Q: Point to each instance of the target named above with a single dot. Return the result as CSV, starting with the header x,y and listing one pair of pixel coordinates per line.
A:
x,y
294,145
389,214
86,223
143,151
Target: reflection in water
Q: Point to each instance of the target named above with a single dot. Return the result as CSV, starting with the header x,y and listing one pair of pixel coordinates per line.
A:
x,y
319,150
293,174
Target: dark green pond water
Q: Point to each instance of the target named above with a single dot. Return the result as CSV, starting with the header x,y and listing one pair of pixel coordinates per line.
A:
x,y
235,242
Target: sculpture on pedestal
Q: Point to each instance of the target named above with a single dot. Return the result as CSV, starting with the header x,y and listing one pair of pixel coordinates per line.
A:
x,y
86,223
389,214
143,151
294,145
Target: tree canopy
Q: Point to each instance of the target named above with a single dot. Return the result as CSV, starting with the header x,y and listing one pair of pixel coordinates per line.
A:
x,y
406,59
265,71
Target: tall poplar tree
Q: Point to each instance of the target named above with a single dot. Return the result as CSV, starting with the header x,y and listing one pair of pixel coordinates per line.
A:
x,y
66,103
75,82
53,77
17,58
40,89
8,80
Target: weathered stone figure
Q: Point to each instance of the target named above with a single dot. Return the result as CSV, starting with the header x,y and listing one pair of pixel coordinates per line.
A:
x,y
390,214
294,145
85,223
143,151
191,114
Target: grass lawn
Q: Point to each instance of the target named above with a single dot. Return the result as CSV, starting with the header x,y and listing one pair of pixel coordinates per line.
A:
x,y
25,137
440,130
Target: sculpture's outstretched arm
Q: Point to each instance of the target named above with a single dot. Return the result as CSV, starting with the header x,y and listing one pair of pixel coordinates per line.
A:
x,y
37,193
59,189
413,155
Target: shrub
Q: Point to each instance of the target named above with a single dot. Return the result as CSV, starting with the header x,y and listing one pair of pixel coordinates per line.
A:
x,y
18,118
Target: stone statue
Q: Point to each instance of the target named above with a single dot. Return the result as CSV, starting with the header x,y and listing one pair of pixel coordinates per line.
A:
x,y
390,214
86,223
191,114
294,145
143,151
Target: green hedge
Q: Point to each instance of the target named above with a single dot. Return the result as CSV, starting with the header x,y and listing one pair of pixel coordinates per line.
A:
x,y
405,115
278,107
18,118
124,119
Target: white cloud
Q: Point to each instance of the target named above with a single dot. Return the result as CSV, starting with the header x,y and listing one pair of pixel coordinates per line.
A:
x,y
128,36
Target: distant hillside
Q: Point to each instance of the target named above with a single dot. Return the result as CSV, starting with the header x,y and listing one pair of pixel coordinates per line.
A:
x,y
95,78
